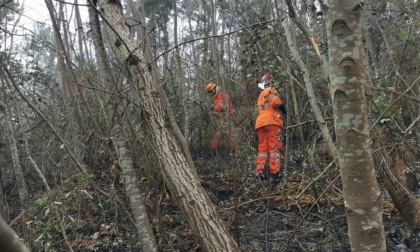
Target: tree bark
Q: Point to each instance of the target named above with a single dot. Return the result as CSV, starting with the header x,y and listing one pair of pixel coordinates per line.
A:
x,y
81,37
144,229
17,168
139,211
362,196
4,207
405,201
184,186
185,96
36,167
310,90
403,198
138,24
9,241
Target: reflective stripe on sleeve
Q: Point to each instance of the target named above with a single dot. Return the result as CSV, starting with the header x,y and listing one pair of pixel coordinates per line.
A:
x,y
263,107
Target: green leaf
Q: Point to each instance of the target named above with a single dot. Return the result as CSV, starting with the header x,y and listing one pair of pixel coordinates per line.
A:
x,y
381,101
384,84
42,202
403,35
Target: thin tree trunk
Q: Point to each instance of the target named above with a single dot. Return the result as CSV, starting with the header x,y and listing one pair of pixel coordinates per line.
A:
x,y
125,160
80,35
214,43
183,184
139,22
38,171
361,192
216,56
181,75
4,207
17,168
4,212
4,71
185,96
63,22
144,229
177,130
295,109
178,133
319,39
44,181
310,91
71,104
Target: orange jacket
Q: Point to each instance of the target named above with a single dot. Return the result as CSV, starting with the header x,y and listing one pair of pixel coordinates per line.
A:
x,y
268,104
219,107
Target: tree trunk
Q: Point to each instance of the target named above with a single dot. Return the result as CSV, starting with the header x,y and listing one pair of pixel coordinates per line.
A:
x,y
139,211
404,200
319,39
131,183
138,24
17,168
9,241
4,71
310,90
3,202
185,96
184,186
81,38
394,180
361,192
36,167
71,103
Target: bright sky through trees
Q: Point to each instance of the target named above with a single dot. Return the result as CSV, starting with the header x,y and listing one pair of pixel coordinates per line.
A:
x,y
35,13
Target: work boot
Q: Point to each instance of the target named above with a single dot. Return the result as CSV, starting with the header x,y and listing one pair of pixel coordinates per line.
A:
x,y
261,175
275,178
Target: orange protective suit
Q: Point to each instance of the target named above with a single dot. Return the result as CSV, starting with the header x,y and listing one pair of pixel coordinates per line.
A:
x,y
268,125
219,108
223,126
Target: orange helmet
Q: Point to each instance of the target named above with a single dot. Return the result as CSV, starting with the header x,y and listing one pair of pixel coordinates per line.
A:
x,y
210,87
267,77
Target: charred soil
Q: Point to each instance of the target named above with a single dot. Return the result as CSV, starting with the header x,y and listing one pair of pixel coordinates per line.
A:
x,y
289,216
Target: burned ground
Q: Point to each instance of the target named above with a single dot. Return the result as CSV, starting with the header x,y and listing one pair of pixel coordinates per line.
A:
x,y
289,216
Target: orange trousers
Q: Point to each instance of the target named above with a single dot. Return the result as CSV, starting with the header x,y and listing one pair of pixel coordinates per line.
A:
x,y
269,145
222,130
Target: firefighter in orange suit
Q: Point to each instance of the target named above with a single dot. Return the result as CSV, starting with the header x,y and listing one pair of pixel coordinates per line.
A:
x,y
219,110
269,124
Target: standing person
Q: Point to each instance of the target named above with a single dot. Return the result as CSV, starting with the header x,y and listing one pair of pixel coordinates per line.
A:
x,y
269,124
219,110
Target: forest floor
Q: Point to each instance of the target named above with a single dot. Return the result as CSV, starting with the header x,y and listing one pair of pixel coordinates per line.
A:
x,y
260,216
273,218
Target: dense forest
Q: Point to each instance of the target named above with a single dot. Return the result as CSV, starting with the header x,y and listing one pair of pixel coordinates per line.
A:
x,y
106,125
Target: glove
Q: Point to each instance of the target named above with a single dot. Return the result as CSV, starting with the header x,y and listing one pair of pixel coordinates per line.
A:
x,y
283,109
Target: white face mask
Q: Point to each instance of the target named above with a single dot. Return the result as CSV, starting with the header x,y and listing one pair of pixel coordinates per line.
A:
x,y
261,85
